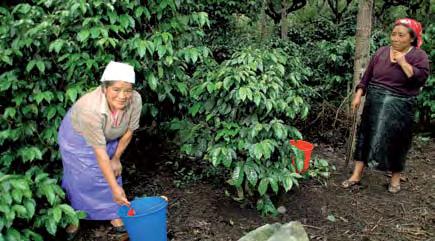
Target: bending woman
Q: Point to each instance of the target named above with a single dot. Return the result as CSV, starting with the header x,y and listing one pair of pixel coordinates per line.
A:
x,y
92,137
392,81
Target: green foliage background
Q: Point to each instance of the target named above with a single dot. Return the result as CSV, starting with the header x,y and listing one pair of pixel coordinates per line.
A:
x,y
215,73
53,52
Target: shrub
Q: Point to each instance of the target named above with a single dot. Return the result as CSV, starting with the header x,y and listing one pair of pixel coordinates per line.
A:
x,y
240,117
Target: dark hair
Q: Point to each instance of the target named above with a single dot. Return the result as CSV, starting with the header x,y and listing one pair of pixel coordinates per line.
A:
x,y
106,84
411,33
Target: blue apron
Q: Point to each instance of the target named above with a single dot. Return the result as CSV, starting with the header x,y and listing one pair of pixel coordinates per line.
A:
x,y
83,181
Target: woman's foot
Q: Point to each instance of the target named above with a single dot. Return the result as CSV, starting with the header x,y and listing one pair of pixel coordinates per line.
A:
x,y
394,186
355,179
71,232
117,222
350,183
118,226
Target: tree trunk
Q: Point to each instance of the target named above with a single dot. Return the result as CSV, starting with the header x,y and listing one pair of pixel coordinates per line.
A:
x,y
284,24
362,39
362,52
262,23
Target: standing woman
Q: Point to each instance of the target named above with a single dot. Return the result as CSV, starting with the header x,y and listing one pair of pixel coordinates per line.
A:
x,y
92,137
392,81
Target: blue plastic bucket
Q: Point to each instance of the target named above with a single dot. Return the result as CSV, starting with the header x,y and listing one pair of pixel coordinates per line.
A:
x,y
149,221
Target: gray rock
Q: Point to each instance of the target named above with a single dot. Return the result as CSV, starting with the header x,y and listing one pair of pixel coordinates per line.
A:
x,y
262,233
292,231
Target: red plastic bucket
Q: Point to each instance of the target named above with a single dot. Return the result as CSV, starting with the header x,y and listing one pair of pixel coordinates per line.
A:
x,y
307,148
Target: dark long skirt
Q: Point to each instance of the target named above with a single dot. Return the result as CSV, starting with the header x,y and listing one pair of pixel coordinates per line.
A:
x,y
385,133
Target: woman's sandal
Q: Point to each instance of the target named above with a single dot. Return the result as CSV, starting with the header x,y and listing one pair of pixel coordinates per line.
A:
x,y
119,229
393,189
350,183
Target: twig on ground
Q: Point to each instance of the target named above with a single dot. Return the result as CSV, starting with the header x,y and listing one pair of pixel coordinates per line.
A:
x,y
376,225
309,226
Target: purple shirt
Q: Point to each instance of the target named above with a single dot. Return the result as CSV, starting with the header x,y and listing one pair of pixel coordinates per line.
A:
x,y
382,72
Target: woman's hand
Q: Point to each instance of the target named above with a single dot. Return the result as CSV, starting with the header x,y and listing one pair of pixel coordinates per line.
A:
x,y
115,163
356,100
119,196
398,57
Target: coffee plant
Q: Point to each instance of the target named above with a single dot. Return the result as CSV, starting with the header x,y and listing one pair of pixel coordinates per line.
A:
x,y
241,116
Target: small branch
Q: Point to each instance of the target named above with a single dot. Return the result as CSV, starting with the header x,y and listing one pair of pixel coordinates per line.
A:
x,y
339,108
309,226
376,225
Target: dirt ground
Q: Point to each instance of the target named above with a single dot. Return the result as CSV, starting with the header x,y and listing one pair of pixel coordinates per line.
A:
x,y
199,209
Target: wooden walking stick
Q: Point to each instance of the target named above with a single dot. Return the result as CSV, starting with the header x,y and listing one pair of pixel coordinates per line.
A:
x,y
350,141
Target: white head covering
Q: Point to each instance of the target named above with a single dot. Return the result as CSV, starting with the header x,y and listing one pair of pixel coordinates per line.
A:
x,y
118,71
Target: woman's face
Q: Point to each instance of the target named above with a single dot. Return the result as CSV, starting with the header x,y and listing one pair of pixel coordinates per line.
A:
x,y
400,38
118,95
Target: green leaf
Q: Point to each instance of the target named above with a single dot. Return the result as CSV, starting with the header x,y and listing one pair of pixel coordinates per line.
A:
x,y
228,81
29,154
30,205
83,35
141,48
13,235
51,226
30,65
331,218
262,187
251,173
152,81
68,210
161,51
57,214
258,151
20,210
274,184
40,177
226,157
288,183
51,112
17,195
41,66
49,193
278,130
2,225
238,175
32,235
195,108
268,105
211,87
182,88
242,93
56,45
257,98
154,111
81,214
300,158
9,112
71,94
4,208
214,156
20,184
